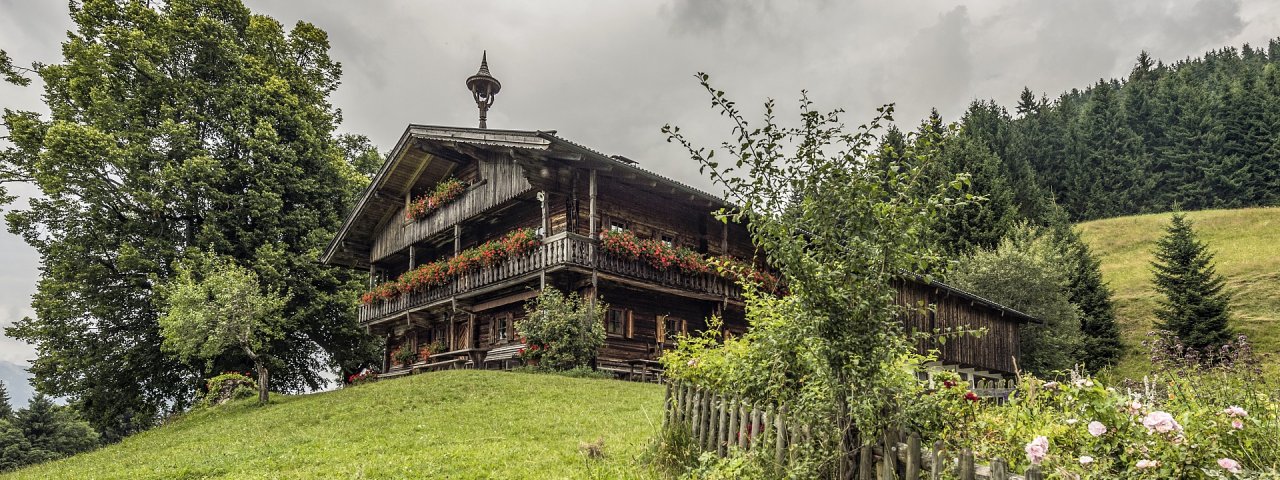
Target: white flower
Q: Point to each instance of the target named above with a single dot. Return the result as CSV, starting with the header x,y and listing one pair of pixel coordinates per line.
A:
x,y
1037,449
1144,463
1235,411
1072,421
1229,465
1096,428
1237,424
1161,422
1085,459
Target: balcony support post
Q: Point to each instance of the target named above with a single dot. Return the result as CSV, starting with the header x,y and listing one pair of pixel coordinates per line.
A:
x,y
594,234
457,239
413,257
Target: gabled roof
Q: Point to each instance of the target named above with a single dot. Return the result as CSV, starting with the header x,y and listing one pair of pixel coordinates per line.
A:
x,y
420,143
533,146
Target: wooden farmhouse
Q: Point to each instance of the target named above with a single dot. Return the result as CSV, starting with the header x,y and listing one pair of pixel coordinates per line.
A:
x,y
484,219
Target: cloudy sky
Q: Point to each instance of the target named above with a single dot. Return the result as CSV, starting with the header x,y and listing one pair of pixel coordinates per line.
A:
x,y
610,73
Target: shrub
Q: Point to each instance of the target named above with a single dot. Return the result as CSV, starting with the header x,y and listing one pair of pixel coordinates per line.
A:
x,y
567,331
229,386
362,377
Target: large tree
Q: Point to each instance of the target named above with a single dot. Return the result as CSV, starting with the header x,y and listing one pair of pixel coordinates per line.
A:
x,y
1195,307
175,125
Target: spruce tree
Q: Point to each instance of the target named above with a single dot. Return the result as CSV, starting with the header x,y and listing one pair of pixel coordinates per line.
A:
x,y
14,448
6,408
1101,335
1196,308
54,431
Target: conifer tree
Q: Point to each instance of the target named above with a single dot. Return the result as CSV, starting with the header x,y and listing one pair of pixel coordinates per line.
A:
x,y
1101,344
6,408
14,447
53,431
1196,308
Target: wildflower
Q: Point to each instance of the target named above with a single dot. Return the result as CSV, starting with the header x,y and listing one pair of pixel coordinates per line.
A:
x,y
1072,421
1237,424
1234,411
1085,459
1144,464
1161,422
1229,465
1037,449
1134,407
1096,428
1051,385
693,362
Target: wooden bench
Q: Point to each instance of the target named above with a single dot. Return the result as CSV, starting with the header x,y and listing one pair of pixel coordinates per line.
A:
x,y
647,369
446,364
503,355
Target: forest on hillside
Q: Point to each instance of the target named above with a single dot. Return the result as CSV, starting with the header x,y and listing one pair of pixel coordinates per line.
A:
x,y
1198,133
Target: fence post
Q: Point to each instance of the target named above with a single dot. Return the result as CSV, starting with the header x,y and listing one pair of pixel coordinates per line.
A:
x,y
668,407
889,461
780,431
935,464
695,429
722,430
732,438
913,457
709,420
966,465
999,469
757,428
866,461
1033,473
744,424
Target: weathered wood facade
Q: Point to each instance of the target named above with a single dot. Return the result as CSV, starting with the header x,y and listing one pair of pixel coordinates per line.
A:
x,y
569,193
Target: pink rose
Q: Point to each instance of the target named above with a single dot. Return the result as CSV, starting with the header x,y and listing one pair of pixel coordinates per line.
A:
x,y
1144,464
1237,424
1161,422
1229,465
1037,449
1097,428
1235,411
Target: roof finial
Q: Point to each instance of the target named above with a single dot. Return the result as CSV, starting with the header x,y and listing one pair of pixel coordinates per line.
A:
x,y
483,88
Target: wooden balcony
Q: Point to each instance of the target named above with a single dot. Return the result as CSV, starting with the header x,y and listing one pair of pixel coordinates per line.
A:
x,y
564,250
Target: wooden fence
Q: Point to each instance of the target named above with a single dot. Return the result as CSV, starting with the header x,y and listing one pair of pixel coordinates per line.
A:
x,y
717,423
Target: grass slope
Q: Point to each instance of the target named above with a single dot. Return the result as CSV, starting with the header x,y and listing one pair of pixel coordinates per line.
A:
x,y
456,424
1246,244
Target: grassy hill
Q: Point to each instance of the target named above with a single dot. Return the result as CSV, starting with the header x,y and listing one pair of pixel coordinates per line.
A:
x,y
1246,243
456,424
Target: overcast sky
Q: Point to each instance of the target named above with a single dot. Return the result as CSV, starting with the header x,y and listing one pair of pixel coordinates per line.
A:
x,y
609,74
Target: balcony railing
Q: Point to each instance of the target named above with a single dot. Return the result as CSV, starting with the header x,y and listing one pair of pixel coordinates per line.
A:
x,y
565,249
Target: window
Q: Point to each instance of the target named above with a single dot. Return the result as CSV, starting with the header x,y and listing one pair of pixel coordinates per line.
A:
x,y
502,328
668,240
617,323
670,327
617,226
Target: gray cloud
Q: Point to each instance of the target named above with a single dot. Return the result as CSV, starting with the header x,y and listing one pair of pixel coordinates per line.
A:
x,y
610,73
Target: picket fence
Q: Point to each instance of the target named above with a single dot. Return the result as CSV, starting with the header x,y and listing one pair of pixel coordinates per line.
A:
x,y
718,422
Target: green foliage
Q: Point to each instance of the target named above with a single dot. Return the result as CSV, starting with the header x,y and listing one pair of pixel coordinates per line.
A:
x,y
566,330
177,125
464,424
840,338
10,72
1195,306
1199,133
213,306
735,465
6,408
1246,242
42,432
1209,415
1025,272
1086,289
15,450
228,386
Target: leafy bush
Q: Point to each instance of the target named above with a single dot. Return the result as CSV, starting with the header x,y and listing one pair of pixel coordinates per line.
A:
x,y
1188,421
567,330
229,386
1024,272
